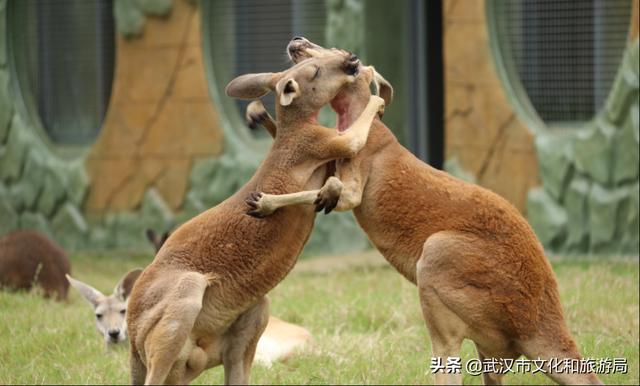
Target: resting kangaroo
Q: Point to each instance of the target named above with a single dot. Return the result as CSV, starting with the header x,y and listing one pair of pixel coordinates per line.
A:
x,y
110,310
279,341
201,302
480,270
28,257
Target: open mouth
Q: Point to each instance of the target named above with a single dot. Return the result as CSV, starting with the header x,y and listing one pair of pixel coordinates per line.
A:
x,y
340,105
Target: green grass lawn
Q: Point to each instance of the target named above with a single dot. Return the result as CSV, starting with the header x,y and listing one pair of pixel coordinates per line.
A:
x,y
364,316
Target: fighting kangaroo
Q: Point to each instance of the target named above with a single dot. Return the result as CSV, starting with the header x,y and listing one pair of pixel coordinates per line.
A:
x,y
201,302
280,339
480,270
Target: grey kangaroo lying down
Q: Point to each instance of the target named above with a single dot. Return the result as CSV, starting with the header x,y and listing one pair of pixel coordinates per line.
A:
x,y
480,270
201,302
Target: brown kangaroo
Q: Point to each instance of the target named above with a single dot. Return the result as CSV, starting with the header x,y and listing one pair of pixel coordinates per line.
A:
x,y
28,257
279,341
480,270
201,302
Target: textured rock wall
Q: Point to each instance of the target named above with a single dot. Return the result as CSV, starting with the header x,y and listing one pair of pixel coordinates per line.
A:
x,y
578,187
483,136
38,189
160,119
588,201
161,156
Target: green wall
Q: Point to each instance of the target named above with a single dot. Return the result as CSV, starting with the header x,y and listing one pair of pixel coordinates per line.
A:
x,y
588,202
43,186
39,188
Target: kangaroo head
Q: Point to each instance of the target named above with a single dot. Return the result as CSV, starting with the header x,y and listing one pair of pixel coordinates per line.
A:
x,y
300,49
110,311
302,90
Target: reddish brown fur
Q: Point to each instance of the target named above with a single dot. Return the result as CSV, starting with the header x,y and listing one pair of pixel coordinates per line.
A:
x,y
26,257
201,301
481,271
279,341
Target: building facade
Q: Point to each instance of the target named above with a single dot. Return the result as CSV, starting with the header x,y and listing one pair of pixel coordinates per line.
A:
x,y
113,117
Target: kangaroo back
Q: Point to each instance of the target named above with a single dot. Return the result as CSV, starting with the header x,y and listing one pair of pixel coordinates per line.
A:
x,y
27,258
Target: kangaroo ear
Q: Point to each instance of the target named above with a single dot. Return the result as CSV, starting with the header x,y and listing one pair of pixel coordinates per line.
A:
x,y
124,287
92,295
151,236
251,86
287,90
164,238
383,88
156,239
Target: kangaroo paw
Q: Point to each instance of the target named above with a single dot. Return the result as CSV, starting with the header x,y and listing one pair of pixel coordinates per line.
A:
x,y
258,206
255,120
328,196
256,115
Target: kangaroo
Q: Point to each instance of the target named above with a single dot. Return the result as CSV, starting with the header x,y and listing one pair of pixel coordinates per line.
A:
x,y
480,270
110,310
201,302
279,341
28,257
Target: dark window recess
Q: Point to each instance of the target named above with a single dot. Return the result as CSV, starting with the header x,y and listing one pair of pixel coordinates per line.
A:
x,y
64,55
566,52
256,33
426,90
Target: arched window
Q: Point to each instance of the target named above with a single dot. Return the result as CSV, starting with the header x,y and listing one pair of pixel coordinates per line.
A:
x,y
561,56
63,56
249,36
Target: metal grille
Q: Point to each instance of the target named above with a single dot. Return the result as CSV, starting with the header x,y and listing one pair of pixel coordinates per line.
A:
x,y
64,58
565,52
251,35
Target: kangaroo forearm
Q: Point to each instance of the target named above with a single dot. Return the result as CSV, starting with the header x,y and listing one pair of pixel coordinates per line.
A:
x,y
350,198
349,173
276,201
358,132
269,124
348,144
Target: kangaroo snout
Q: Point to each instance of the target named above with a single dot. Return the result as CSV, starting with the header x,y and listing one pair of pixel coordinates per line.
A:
x,y
352,65
114,334
297,48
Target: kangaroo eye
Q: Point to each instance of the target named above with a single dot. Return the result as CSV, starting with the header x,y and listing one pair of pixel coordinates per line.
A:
x,y
122,312
316,74
99,316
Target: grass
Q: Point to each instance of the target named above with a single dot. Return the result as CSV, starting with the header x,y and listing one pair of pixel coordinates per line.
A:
x,y
364,316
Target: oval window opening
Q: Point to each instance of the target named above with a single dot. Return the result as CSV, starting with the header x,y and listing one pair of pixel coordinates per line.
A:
x,y
249,36
63,55
563,54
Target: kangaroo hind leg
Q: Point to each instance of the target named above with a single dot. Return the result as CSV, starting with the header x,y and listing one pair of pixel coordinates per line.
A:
x,y
241,341
165,345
